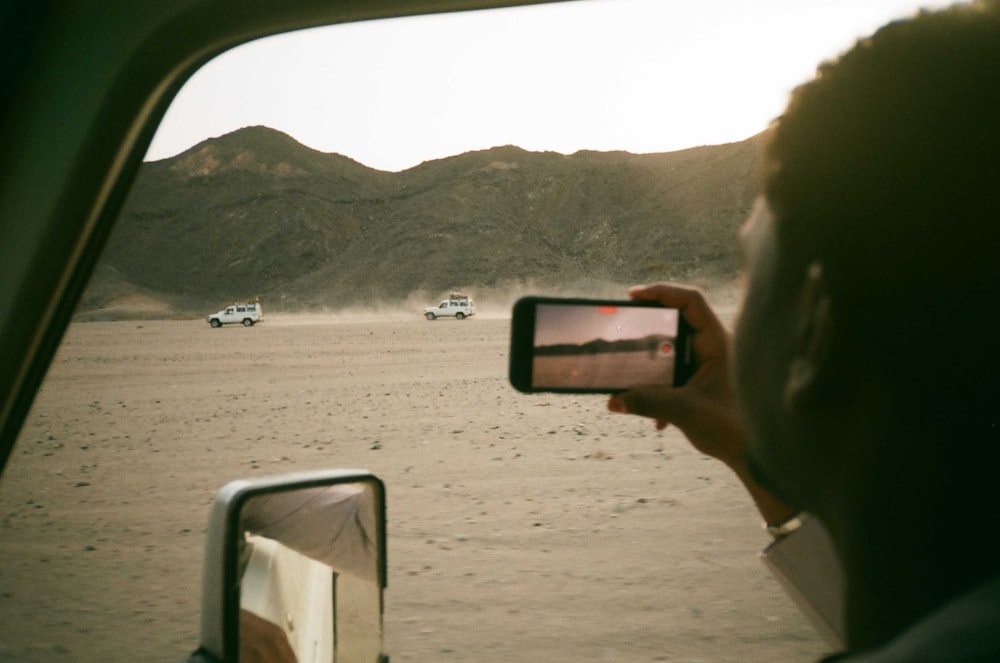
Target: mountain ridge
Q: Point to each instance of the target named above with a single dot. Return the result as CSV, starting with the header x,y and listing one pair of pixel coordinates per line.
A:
x,y
255,213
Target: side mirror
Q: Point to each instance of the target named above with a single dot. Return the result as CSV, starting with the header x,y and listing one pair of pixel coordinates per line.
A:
x,y
295,570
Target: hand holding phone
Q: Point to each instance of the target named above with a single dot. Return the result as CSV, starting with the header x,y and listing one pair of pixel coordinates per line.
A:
x,y
596,346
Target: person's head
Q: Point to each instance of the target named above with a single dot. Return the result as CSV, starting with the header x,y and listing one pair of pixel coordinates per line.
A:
x,y
875,256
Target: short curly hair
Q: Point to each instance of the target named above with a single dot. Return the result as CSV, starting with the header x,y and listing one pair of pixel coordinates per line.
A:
x,y
885,168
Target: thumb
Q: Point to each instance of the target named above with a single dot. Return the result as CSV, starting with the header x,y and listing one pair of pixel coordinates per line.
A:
x,y
663,403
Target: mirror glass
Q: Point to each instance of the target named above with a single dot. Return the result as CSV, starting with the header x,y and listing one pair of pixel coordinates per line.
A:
x,y
311,575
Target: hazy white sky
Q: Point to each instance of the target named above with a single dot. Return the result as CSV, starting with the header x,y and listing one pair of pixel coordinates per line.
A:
x,y
581,324
636,75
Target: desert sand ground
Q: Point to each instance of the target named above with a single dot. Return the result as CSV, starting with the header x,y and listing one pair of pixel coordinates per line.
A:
x,y
521,528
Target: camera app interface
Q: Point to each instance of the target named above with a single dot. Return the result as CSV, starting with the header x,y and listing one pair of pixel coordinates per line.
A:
x,y
603,347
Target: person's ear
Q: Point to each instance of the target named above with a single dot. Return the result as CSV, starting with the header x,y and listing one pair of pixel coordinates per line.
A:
x,y
812,341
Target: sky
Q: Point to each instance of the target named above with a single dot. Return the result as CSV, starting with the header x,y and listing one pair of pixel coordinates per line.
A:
x,y
635,75
581,324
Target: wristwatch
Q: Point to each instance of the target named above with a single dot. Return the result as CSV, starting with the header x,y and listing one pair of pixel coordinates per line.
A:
x,y
782,530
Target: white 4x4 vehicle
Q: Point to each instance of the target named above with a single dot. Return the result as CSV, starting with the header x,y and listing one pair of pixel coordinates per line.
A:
x,y
456,305
245,313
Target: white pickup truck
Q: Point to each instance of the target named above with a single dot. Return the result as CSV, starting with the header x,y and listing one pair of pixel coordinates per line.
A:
x,y
456,305
245,313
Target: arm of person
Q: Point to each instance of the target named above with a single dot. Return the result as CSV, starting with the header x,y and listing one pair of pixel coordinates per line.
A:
x,y
705,408
801,557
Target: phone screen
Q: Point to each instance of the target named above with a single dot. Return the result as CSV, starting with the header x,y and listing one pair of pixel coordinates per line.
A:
x,y
595,345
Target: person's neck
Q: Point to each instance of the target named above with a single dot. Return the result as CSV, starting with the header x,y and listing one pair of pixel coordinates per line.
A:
x,y
910,557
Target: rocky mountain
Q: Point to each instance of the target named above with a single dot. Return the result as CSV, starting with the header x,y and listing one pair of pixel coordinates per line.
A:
x,y
254,213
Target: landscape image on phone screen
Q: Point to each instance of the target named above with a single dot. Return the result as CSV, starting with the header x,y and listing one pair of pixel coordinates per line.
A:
x,y
603,347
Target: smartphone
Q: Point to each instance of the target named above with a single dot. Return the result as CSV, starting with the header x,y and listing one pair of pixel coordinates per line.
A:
x,y
596,345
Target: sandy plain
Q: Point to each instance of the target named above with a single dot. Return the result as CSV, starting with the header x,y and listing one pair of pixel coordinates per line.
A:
x,y
521,528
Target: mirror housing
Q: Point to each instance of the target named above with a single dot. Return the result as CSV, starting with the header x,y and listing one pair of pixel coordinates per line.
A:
x,y
281,532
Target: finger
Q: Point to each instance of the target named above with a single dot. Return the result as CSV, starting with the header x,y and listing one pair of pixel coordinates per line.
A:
x,y
665,404
617,404
690,301
710,337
